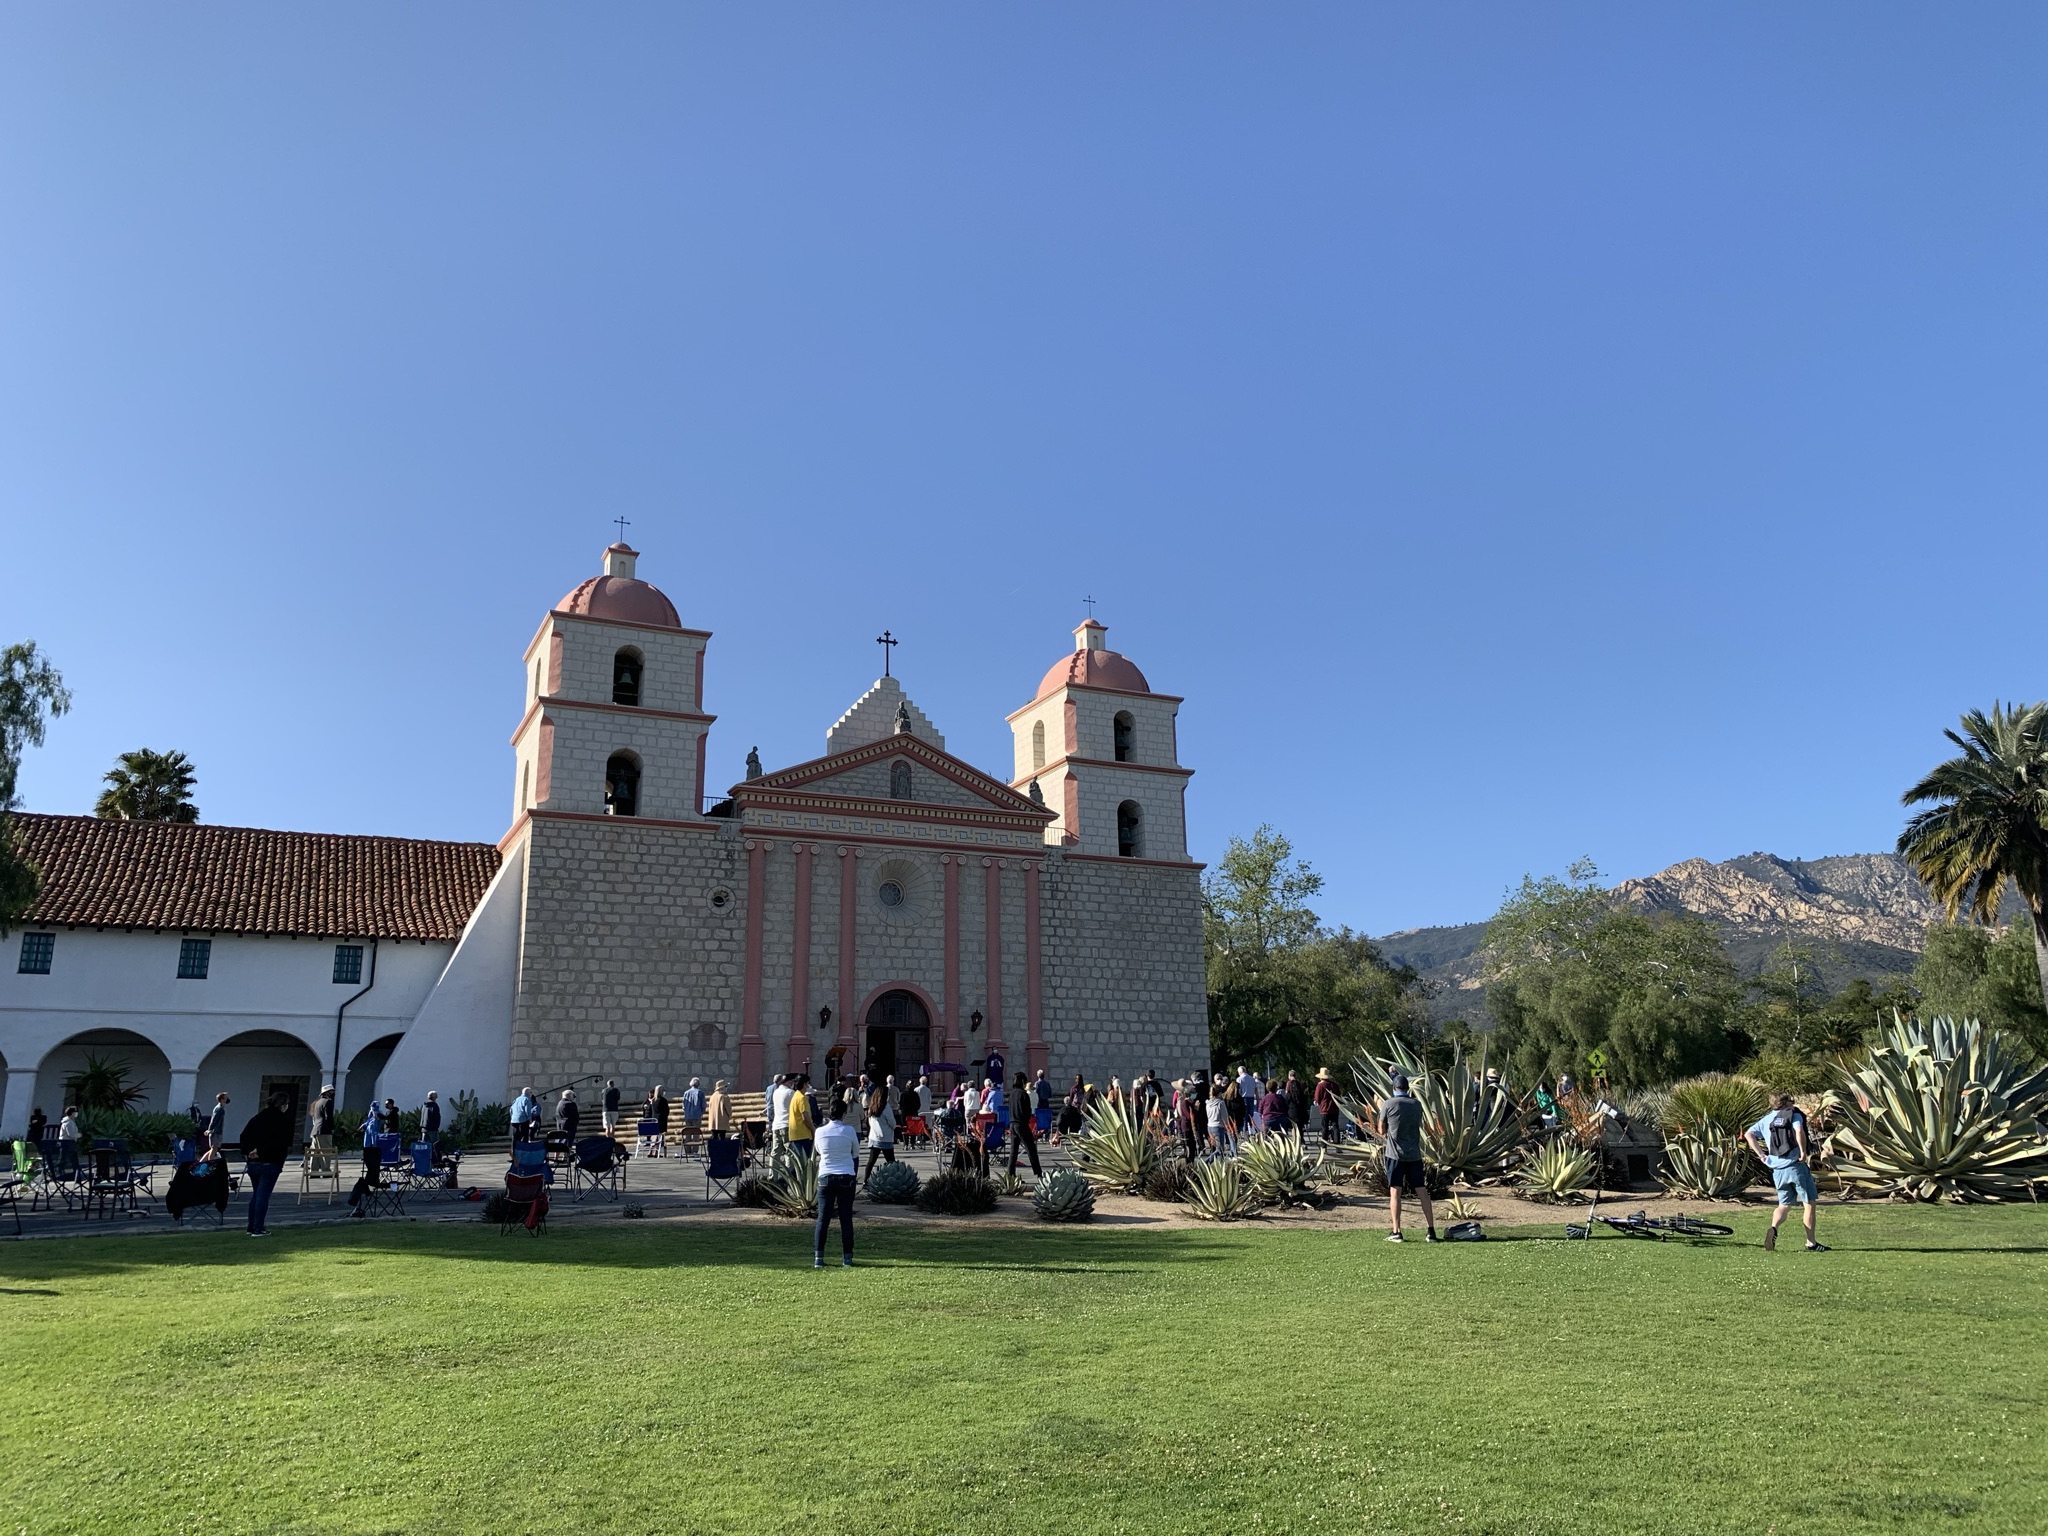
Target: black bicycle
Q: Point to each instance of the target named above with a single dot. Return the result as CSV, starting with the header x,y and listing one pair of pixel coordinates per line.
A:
x,y
1656,1228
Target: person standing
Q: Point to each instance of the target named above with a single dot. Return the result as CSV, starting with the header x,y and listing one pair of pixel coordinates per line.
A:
x,y
1297,1102
1326,1106
217,1124
1780,1139
525,1114
1025,1124
37,1120
778,1110
611,1107
718,1110
567,1115
1218,1111
1248,1090
881,1133
838,1162
1273,1117
802,1129
1401,1133
266,1143
430,1119
693,1114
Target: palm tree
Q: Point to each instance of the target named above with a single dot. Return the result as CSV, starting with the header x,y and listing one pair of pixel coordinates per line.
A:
x,y
1991,822
148,786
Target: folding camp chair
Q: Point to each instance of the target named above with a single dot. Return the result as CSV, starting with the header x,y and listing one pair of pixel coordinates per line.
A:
x,y
111,1181
600,1165
526,1203
531,1158
653,1138
377,1193
561,1151
723,1160
62,1175
195,1186
422,1168
390,1148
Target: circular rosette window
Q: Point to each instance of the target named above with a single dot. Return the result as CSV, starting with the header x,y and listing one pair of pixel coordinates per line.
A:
x,y
902,891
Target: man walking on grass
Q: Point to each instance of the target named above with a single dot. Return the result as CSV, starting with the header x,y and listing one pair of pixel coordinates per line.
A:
x,y
266,1143
1401,1130
1780,1139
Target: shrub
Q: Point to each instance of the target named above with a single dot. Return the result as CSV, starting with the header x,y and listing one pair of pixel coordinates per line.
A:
x,y
144,1132
1707,1166
467,1122
893,1184
1714,1103
1279,1171
751,1191
957,1194
1064,1195
1168,1181
1558,1172
1219,1191
1942,1110
1370,1174
1784,1072
633,1212
1114,1151
496,1208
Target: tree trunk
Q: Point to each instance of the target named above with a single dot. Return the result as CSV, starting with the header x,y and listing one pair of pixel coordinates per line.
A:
x,y
2041,950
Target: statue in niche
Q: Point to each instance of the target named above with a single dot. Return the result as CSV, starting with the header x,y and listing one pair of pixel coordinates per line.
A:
x,y
899,781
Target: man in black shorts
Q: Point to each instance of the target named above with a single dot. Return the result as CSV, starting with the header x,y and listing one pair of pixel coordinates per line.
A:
x,y
1401,1130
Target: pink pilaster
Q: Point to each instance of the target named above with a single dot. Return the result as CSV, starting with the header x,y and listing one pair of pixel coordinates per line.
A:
x,y
849,877
992,888
1037,1053
800,964
951,1047
752,1076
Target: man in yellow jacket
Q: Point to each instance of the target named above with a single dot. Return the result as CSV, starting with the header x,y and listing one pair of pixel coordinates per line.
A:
x,y
800,1124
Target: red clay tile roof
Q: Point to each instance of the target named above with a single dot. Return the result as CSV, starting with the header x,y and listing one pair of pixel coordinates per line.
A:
x,y
143,874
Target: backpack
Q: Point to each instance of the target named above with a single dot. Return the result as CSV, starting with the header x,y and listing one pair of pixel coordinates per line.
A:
x,y
1784,1136
1464,1232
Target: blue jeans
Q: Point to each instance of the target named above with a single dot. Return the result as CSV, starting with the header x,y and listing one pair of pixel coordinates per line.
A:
x,y
835,1197
262,1180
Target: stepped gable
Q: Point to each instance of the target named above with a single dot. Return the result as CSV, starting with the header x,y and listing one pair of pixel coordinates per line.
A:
x,y
208,879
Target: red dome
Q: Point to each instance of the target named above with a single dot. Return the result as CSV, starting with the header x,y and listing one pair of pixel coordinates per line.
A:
x,y
623,597
1093,666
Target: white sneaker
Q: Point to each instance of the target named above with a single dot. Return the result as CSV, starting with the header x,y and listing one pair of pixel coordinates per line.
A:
x,y
1395,1237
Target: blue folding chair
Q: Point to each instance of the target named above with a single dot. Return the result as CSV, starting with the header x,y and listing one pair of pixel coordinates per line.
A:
x,y
420,1170
391,1146
723,1161
530,1160
600,1165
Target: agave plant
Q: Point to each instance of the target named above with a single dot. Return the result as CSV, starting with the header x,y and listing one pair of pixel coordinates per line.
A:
x,y
1707,1165
1168,1182
1280,1172
893,1184
1647,1107
1558,1172
1467,1132
792,1190
1942,1110
1064,1195
1113,1150
1219,1191
1714,1103
1007,1183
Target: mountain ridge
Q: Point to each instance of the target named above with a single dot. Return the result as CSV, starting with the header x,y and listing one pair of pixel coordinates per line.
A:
x,y
1863,914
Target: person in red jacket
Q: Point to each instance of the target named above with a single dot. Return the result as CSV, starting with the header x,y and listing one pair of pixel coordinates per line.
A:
x,y
1325,1099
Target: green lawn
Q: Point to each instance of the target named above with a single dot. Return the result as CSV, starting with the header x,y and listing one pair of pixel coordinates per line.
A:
x,y
662,1377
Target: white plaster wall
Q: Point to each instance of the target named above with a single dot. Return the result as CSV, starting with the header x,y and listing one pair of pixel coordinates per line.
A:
x,y
109,979
461,1037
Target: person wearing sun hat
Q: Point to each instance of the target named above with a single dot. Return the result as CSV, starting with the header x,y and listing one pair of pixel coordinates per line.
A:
x,y
1325,1098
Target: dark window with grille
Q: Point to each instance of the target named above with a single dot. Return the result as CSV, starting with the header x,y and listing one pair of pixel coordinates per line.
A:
x,y
36,949
348,964
194,956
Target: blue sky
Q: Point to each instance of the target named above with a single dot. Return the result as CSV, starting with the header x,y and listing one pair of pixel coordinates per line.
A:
x,y
1520,431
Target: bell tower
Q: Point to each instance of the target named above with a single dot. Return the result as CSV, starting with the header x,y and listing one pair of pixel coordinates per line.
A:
x,y
1100,749
614,722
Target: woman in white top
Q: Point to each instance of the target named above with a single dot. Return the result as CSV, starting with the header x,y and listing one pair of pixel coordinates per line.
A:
x,y
881,1135
837,1149
67,1128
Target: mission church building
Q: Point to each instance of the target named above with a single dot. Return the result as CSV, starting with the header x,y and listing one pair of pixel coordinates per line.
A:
x,y
879,907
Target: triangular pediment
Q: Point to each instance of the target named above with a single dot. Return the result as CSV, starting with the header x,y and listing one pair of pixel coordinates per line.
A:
x,y
938,780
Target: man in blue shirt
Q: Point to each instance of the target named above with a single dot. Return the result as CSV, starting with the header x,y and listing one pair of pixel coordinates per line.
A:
x,y
1780,1140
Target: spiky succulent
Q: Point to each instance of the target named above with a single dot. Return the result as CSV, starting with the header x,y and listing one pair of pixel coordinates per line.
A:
x,y
1559,1171
1008,1183
1714,1103
1114,1150
1468,1132
1219,1191
1063,1195
1707,1165
1168,1182
893,1184
1942,1110
793,1190
957,1194
1279,1171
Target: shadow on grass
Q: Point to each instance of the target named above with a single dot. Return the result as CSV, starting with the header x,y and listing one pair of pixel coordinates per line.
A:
x,y
630,1246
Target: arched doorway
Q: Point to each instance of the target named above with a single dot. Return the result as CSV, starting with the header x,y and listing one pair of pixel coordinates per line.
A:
x,y
251,1066
134,1059
899,1036
363,1070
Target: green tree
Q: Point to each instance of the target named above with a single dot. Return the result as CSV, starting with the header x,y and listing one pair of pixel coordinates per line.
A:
x,y
148,786
32,693
1282,988
1791,1000
1572,971
1988,821
1971,972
